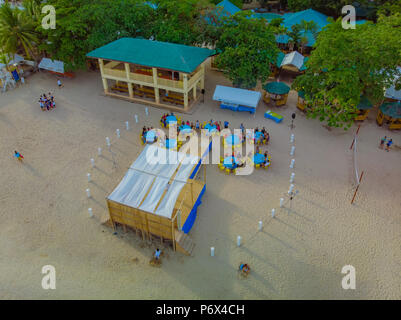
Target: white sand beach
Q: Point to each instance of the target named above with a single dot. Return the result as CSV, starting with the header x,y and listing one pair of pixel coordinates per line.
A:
x,y
298,255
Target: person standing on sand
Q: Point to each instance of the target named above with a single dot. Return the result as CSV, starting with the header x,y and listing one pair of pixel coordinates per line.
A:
x,y
382,142
18,155
388,145
60,85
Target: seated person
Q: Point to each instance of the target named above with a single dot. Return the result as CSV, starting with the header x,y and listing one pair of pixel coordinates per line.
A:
x,y
244,268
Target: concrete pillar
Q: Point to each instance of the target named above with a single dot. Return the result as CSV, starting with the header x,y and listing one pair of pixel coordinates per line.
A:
x,y
157,97
185,91
104,80
128,71
203,76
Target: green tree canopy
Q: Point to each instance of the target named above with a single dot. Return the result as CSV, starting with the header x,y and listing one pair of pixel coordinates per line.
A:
x,y
347,63
17,31
248,49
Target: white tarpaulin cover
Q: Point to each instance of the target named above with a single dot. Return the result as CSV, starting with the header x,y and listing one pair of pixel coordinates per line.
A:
x,y
391,92
52,65
147,174
294,58
17,59
237,96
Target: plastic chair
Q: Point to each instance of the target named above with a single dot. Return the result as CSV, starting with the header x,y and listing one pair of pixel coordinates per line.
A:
x,y
257,166
228,171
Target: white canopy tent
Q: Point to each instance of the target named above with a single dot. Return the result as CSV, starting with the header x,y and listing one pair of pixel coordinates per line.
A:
x,y
293,59
52,65
157,175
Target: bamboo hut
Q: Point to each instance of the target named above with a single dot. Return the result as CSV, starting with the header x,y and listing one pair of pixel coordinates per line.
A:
x,y
363,107
159,195
390,113
277,91
157,73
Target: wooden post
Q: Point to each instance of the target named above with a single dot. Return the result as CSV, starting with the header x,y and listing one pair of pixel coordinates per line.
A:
x,y
185,91
192,192
356,190
194,89
128,71
353,141
104,80
156,88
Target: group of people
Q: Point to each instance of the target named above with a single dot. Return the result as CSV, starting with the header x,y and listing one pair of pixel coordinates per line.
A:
x,y
386,142
266,160
265,134
197,125
47,102
145,130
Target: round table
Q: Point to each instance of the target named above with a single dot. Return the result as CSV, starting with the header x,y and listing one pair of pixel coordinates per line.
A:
x,y
171,143
211,127
185,128
150,136
258,158
233,140
171,119
259,136
230,162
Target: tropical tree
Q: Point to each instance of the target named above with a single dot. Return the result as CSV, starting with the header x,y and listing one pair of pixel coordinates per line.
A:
x,y
248,49
17,31
347,63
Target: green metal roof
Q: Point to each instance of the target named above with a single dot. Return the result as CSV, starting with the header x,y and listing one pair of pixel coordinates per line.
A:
x,y
156,54
276,87
392,109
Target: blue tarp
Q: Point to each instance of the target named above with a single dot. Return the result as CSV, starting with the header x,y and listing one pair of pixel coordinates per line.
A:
x,y
192,215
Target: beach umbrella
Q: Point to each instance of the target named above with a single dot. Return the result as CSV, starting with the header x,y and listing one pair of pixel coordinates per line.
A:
x,y
276,87
391,109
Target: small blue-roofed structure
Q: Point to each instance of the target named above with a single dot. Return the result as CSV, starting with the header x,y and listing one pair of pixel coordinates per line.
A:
x,y
223,9
236,99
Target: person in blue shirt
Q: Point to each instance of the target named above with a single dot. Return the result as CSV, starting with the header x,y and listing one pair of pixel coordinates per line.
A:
x,y
226,124
388,145
157,254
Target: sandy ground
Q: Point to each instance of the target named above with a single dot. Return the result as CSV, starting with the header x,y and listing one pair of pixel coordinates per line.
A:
x,y
298,255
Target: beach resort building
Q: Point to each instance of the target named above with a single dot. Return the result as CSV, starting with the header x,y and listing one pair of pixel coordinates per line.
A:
x,y
152,72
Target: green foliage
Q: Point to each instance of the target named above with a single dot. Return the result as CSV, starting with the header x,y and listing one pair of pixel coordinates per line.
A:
x,y
348,63
17,31
248,50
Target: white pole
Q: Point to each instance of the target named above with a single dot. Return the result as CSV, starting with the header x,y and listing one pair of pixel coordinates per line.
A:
x,y
292,138
281,202
273,212
89,177
88,193
292,163
147,111
260,225
291,189
238,241
292,177
212,251
127,125
93,162
90,212
118,133
108,141
99,151
136,118
292,150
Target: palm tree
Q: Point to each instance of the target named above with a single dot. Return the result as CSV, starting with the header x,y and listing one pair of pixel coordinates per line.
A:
x,y
17,31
